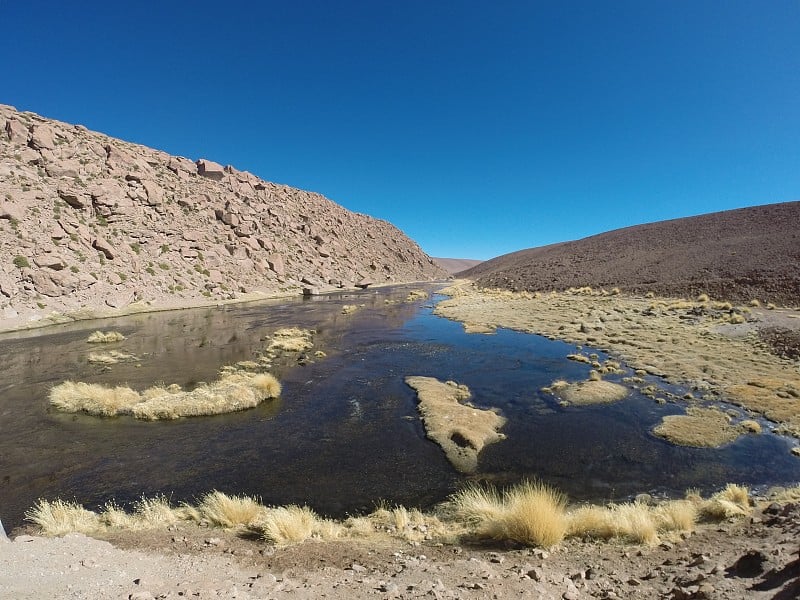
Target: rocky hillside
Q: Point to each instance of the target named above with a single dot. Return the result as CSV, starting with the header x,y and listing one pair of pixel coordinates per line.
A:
x,y
744,254
89,221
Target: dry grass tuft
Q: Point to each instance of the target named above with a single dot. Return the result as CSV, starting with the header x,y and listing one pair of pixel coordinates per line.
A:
x,y
530,513
731,502
676,515
110,358
155,512
59,518
750,426
634,521
231,393
105,337
294,524
229,512
291,339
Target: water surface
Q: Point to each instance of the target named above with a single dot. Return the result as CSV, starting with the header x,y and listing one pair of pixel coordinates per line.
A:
x,y
345,432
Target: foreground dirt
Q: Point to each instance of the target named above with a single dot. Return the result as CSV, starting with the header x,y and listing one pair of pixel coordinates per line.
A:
x,y
752,558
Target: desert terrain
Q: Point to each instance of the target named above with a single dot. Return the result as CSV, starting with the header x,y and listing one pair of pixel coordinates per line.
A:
x,y
93,226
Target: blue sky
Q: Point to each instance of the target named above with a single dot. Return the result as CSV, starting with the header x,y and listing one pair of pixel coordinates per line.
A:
x,y
479,128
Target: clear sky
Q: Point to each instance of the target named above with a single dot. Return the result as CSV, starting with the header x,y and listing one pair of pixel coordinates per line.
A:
x,y
477,127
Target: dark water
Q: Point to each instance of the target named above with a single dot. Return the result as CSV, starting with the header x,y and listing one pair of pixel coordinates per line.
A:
x,y
345,432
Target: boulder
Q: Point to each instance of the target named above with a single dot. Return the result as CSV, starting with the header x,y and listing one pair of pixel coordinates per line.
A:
x,y
44,284
277,264
210,169
42,137
364,283
155,195
63,168
103,246
17,132
10,211
73,197
118,161
49,261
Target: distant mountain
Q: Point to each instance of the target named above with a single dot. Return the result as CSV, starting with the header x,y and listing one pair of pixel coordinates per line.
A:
x,y
89,221
454,265
736,255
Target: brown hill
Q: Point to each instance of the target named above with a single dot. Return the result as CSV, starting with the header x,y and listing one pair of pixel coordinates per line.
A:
x,y
454,265
737,255
89,221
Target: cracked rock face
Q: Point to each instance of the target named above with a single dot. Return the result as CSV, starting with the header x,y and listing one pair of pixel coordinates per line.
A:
x,y
87,220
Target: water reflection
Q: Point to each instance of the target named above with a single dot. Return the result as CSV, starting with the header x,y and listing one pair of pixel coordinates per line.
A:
x,y
345,432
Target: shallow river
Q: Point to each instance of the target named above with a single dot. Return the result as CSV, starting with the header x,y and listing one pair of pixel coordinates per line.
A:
x,y
345,433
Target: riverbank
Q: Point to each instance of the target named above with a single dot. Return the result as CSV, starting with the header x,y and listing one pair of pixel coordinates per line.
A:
x,y
721,352
754,556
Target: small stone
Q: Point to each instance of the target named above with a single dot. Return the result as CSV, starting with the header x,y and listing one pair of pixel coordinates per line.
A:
x,y
536,574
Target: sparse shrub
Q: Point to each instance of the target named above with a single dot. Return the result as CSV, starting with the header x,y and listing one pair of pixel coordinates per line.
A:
x,y
136,247
21,262
74,269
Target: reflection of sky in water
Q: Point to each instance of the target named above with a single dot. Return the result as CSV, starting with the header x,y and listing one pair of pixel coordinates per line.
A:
x,y
345,434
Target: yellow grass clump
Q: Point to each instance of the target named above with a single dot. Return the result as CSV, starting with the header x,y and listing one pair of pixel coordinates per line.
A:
x,y
731,502
530,513
750,426
461,430
231,393
59,518
698,428
293,524
229,512
105,337
593,391
291,339
634,522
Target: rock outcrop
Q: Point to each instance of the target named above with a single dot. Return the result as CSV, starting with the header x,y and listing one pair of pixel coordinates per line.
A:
x,y
90,222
